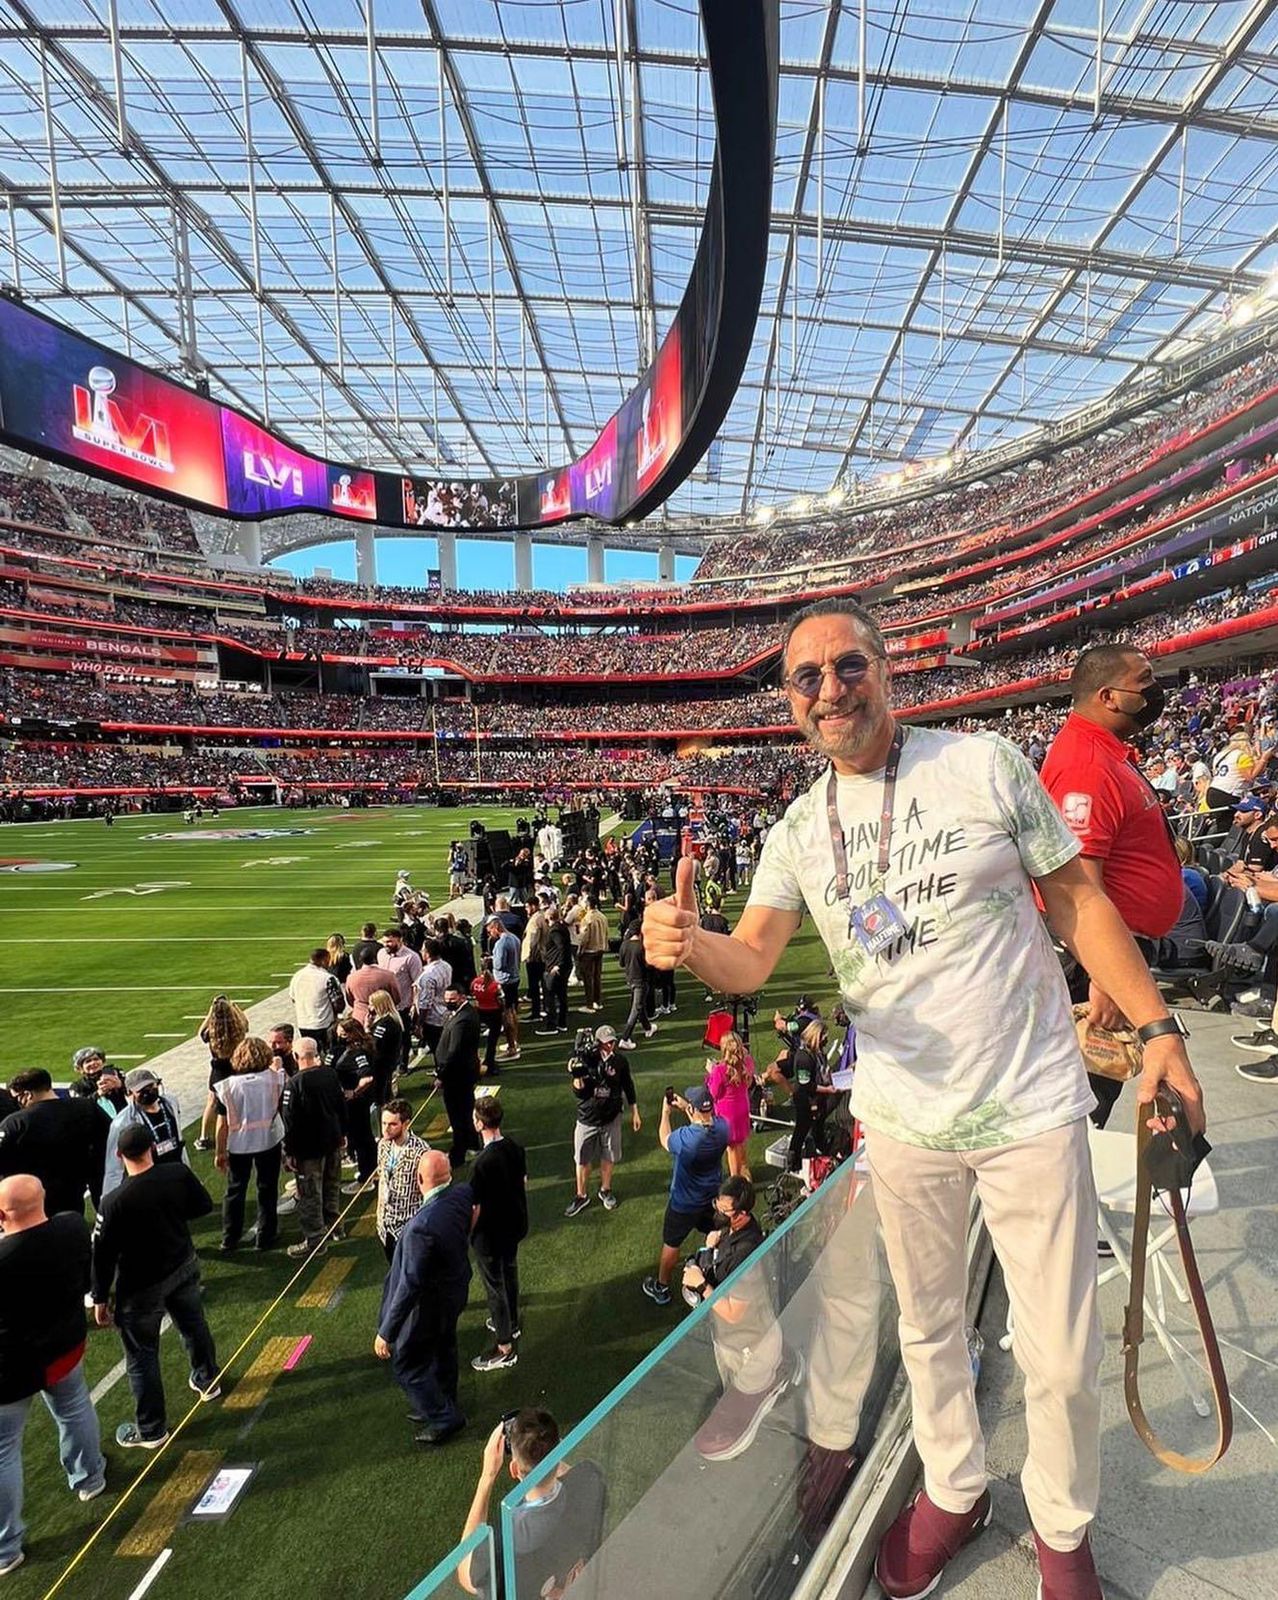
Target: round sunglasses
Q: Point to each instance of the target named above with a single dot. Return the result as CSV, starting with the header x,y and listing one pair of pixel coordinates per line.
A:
x,y
849,668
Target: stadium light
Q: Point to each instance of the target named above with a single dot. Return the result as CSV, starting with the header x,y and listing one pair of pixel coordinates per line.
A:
x,y
801,506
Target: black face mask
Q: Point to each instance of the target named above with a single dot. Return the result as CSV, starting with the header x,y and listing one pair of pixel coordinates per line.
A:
x,y
1155,702
150,1096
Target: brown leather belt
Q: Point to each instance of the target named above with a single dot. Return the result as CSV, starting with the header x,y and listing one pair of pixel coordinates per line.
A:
x,y
1134,1317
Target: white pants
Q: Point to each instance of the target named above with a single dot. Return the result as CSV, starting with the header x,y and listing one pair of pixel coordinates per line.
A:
x,y
1039,1201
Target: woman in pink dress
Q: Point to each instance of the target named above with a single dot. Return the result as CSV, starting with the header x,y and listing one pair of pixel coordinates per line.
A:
x,y
728,1080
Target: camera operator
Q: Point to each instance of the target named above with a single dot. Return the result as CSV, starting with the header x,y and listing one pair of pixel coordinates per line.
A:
x,y
557,1527
601,1081
698,1152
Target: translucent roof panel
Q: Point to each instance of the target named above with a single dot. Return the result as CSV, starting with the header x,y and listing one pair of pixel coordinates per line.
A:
x,y
452,232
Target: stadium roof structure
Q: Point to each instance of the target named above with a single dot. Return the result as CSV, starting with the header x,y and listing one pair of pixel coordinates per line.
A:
x,y
451,232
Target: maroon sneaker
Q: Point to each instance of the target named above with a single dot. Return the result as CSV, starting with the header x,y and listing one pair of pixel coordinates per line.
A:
x,y
1067,1574
922,1542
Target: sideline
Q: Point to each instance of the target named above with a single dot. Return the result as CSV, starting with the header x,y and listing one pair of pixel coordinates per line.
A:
x,y
223,1374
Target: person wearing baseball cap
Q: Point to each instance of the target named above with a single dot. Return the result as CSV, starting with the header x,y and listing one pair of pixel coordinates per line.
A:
x,y
602,1087
144,1258
148,1107
698,1152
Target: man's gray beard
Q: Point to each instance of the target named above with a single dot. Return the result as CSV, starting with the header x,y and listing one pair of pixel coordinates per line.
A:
x,y
814,737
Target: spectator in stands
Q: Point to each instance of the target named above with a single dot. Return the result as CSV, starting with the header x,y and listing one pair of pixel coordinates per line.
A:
x,y
1246,841
1232,768
44,1276
1091,774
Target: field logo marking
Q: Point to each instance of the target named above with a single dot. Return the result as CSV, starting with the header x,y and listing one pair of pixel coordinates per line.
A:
x,y
223,835
275,861
139,889
27,864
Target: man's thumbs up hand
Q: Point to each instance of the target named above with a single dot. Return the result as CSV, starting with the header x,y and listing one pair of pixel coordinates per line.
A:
x,y
669,925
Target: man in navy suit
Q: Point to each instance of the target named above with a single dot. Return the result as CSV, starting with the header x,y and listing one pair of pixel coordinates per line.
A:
x,y
424,1298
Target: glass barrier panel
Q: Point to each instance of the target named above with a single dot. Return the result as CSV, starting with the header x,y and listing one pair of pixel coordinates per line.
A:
x,y
474,1555
717,1465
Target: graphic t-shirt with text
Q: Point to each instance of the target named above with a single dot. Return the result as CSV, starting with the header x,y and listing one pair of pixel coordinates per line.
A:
x,y
964,1033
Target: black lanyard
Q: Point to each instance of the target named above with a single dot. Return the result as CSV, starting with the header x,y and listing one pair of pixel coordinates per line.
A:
x,y
838,843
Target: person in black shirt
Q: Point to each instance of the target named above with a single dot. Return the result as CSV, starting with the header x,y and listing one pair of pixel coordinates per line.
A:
x,y
457,1071
386,1032
44,1272
280,1039
142,1250
557,961
459,949
499,1181
356,1069
314,1111
61,1142
601,1091
369,947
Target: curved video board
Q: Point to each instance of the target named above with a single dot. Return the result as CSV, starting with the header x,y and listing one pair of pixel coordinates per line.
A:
x,y
69,398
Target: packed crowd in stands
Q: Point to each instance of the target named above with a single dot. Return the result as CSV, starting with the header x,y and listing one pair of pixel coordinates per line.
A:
x,y
128,519
62,697
993,504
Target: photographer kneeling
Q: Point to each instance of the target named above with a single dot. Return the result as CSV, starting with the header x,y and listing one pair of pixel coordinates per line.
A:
x,y
698,1152
601,1081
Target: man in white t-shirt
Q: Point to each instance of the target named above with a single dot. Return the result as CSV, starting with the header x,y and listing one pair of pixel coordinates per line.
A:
x,y
916,853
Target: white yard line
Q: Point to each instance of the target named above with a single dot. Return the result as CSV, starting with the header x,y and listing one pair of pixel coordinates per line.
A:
x,y
144,988
151,1574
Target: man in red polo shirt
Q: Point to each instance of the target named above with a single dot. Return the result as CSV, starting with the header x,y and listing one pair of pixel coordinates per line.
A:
x,y
1091,774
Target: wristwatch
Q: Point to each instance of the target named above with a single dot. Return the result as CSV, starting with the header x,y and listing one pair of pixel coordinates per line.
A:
x,y
1155,1030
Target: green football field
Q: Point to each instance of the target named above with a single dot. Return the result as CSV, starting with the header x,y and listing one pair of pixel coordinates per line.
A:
x,y
125,949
